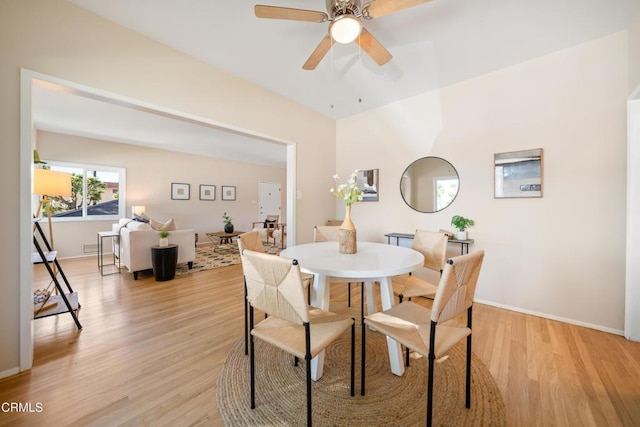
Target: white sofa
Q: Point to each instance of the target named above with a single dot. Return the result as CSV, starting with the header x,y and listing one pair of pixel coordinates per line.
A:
x,y
137,238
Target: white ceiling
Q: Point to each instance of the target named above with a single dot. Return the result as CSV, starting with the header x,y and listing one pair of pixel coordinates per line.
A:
x,y
60,110
433,45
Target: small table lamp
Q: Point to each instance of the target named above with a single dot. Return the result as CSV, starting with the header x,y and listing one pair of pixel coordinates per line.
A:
x,y
50,183
138,210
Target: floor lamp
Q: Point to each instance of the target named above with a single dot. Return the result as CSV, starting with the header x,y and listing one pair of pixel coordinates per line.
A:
x,y
50,183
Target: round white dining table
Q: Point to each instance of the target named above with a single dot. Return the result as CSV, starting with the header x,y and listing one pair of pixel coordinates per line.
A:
x,y
373,262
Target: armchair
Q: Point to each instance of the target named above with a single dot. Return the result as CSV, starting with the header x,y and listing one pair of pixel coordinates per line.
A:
x,y
267,227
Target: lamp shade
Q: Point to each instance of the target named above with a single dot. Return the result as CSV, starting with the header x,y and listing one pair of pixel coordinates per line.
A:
x,y
345,29
51,183
138,210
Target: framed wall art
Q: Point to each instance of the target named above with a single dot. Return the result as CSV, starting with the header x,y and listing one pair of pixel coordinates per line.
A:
x,y
518,174
179,191
207,192
228,192
368,183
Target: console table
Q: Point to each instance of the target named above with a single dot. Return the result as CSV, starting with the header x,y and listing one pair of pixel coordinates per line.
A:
x,y
397,238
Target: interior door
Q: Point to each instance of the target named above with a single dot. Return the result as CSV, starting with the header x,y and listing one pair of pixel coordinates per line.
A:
x,y
269,200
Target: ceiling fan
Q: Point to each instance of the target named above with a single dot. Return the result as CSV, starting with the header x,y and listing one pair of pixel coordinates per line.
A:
x,y
345,18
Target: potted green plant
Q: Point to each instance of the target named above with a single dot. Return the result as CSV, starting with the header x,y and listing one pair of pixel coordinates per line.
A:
x,y
228,225
461,223
163,238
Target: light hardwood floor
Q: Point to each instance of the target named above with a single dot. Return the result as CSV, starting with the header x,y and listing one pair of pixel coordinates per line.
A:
x,y
150,353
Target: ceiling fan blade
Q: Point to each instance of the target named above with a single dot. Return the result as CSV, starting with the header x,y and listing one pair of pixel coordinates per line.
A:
x,y
378,8
275,12
373,47
319,52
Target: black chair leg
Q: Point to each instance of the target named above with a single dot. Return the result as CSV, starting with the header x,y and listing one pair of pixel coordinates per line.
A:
x,y
252,362
353,357
308,363
362,359
406,361
469,325
246,321
468,388
430,390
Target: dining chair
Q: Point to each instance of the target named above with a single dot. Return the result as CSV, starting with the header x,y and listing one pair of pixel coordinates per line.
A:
x,y
432,332
329,233
433,245
252,241
274,285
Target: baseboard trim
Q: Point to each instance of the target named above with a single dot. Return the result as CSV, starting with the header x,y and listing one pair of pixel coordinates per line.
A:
x,y
552,317
9,372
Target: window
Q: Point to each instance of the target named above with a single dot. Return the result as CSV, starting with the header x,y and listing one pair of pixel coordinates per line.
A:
x,y
445,190
97,193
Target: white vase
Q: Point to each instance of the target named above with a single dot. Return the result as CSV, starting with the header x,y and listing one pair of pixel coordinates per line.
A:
x,y
164,242
461,235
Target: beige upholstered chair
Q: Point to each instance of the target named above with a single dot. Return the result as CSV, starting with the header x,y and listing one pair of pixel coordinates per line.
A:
x,y
433,246
329,233
274,285
432,332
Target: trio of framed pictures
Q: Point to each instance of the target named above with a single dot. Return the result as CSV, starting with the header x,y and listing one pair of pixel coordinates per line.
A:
x,y
181,191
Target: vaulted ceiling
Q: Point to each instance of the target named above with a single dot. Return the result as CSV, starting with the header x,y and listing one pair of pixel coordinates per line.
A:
x,y
435,44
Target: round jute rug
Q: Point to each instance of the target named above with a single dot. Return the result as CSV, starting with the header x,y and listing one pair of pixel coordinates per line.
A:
x,y
389,400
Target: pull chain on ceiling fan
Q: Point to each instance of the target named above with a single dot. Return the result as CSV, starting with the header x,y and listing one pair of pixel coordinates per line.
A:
x,y
345,18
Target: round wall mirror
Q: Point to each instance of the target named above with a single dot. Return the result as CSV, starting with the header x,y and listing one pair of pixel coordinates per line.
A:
x,y
429,184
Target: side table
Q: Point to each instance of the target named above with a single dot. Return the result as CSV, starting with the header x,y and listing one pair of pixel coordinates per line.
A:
x,y
164,260
114,239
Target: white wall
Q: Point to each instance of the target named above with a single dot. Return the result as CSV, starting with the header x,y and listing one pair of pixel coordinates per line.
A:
x,y
150,173
59,39
634,47
632,308
562,256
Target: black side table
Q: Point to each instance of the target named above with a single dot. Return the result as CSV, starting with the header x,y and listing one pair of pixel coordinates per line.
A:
x,y
164,260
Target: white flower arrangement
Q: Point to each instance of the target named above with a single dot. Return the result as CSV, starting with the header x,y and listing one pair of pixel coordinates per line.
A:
x,y
349,191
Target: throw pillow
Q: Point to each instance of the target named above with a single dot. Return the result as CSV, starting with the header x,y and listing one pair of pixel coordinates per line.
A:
x,y
135,225
122,223
156,225
269,224
169,226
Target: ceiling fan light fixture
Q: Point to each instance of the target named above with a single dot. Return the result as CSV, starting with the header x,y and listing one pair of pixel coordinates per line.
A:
x,y
345,29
